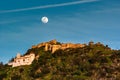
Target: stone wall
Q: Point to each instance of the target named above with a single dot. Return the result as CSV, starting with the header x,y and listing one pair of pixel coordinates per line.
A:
x,y
65,46
53,46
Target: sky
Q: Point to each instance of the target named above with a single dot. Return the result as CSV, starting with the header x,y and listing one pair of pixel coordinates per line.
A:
x,y
76,21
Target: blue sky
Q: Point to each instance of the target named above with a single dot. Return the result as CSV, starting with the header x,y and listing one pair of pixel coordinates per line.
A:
x,y
77,21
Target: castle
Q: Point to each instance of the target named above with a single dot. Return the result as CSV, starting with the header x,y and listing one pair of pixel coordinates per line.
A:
x,y
22,60
53,45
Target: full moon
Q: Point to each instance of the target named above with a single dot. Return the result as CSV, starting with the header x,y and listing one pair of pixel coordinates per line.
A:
x,y
44,19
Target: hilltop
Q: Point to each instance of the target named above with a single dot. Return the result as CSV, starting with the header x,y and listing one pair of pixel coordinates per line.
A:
x,y
51,46
66,61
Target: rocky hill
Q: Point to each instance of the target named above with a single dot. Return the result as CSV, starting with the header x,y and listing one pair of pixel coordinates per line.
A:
x,y
92,61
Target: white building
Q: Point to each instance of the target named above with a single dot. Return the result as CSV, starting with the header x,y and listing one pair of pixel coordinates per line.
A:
x,y
22,60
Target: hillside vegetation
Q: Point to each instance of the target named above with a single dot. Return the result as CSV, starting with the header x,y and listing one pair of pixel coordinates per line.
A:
x,y
92,62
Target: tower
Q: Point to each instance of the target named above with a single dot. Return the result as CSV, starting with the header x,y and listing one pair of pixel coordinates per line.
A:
x,y
18,55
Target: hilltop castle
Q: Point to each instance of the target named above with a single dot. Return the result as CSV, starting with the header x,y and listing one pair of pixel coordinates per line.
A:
x,y
53,45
